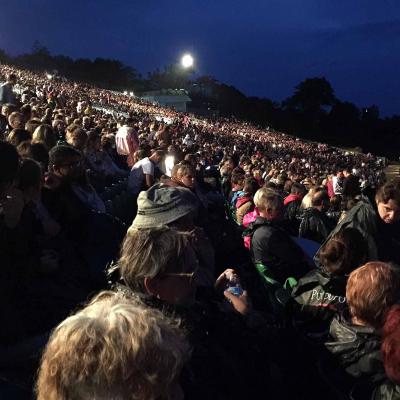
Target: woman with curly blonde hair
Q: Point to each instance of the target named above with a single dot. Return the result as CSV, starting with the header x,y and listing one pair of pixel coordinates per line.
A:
x,y
115,348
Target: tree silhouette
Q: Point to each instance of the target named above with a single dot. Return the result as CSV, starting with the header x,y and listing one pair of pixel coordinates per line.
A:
x,y
311,95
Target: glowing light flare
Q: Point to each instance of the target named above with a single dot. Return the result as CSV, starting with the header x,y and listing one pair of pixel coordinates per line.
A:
x,y
187,61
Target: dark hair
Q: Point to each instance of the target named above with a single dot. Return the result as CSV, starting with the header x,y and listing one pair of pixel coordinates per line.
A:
x,y
40,154
297,188
26,110
319,198
389,191
58,154
250,186
93,136
237,178
31,125
287,187
336,202
12,77
344,252
29,174
270,185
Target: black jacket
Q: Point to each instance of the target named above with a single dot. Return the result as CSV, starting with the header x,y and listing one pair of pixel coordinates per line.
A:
x,y
319,297
383,239
356,348
292,216
272,246
315,225
226,361
351,187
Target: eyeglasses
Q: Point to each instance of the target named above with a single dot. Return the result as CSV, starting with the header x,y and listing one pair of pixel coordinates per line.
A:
x,y
189,275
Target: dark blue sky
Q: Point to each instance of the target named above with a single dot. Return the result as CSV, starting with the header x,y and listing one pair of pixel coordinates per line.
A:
x,y
263,47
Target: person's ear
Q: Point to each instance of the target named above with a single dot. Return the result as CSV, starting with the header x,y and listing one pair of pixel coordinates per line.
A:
x,y
152,286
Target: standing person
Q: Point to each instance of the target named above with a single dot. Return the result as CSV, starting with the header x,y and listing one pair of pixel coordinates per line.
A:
x,y
6,90
127,140
379,224
329,186
142,173
351,185
337,182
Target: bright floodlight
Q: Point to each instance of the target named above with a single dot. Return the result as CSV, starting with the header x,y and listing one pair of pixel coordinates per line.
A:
x,y
49,76
187,61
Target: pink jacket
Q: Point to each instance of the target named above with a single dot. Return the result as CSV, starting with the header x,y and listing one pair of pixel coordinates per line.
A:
x,y
247,220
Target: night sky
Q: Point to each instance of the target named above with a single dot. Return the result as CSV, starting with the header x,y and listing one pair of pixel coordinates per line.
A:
x,y
263,47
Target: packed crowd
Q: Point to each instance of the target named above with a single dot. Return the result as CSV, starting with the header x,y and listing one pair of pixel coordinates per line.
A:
x,y
150,254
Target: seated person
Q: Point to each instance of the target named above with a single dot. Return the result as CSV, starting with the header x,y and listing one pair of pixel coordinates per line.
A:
x,y
183,174
176,207
237,182
271,245
115,348
292,205
98,160
355,338
322,292
76,137
245,203
315,225
70,196
379,225
160,266
45,134
76,206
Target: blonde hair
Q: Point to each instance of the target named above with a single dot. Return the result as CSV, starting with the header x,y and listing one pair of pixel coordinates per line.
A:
x,y
267,199
115,348
44,134
147,252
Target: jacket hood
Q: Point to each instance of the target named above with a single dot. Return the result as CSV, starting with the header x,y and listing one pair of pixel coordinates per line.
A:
x,y
357,347
292,197
243,200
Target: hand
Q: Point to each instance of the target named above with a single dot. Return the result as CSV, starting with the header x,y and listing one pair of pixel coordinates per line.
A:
x,y
229,275
240,303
